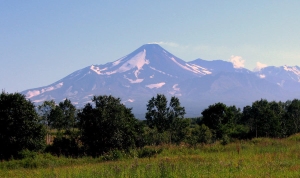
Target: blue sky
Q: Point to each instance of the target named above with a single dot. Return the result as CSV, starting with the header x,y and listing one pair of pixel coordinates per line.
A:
x,y
44,41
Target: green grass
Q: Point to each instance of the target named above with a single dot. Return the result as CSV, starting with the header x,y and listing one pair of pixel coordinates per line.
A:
x,y
261,157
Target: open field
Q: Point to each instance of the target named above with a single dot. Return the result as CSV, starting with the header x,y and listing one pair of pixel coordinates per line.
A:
x,y
261,157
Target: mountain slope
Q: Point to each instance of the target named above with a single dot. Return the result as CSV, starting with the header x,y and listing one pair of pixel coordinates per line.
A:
x,y
150,69
217,66
288,77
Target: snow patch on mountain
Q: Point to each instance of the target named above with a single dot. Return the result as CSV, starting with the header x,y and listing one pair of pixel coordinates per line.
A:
x,y
175,90
128,101
69,92
40,100
175,87
293,69
94,87
95,69
134,81
182,66
75,74
199,69
262,76
117,62
192,67
281,83
156,85
44,98
111,72
88,96
52,87
137,61
160,72
33,93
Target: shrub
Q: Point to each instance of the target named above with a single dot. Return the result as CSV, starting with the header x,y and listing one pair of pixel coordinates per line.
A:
x,y
148,152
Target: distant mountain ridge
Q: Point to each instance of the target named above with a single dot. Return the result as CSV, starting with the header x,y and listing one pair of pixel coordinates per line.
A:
x,y
150,69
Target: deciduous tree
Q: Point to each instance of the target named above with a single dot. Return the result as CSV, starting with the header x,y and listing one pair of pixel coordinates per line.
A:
x,y
160,115
20,127
167,118
44,111
107,125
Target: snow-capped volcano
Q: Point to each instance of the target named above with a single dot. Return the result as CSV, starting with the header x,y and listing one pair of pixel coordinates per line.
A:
x,y
150,59
150,69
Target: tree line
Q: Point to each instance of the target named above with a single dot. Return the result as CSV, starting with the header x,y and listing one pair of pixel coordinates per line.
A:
x,y
106,124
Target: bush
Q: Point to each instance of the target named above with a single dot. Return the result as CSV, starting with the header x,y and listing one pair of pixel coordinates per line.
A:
x,y
148,152
200,134
112,155
65,146
153,137
27,154
225,140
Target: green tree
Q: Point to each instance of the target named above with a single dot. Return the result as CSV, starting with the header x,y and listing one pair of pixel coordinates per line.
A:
x,y
63,116
44,111
20,126
249,120
157,113
167,118
162,117
69,114
265,119
56,118
232,126
268,124
221,119
292,117
214,117
276,120
108,125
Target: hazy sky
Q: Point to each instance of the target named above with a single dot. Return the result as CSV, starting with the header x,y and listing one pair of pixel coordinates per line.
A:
x,y
43,41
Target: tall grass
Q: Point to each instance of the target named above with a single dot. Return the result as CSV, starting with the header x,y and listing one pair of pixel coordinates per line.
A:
x,y
260,157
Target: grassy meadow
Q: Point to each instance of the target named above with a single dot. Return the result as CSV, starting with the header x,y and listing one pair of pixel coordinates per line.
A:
x,y
259,157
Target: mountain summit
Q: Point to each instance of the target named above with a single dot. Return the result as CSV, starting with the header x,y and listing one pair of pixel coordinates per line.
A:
x,y
150,69
150,59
